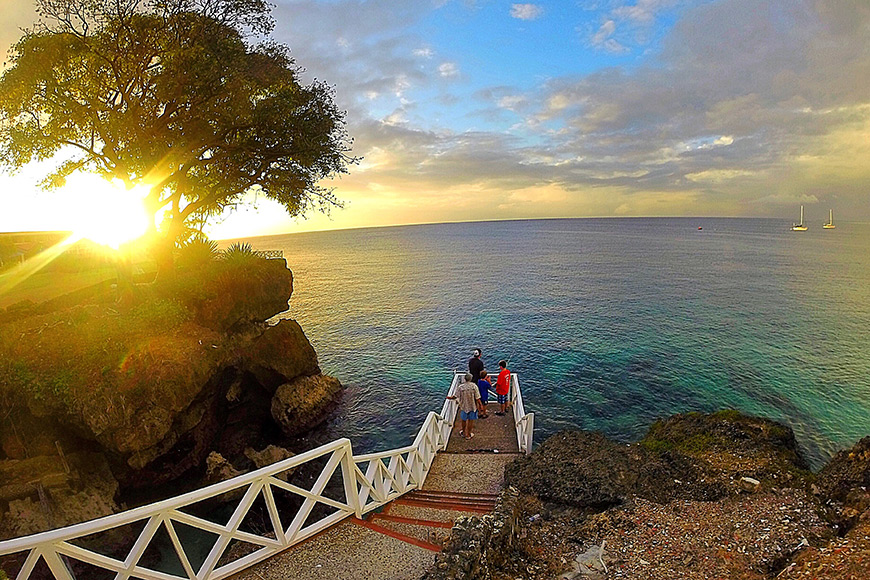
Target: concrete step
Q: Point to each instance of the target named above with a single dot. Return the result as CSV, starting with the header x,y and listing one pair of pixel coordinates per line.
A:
x,y
471,502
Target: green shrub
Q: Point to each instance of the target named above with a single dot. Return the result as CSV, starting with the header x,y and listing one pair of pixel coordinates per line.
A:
x,y
727,415
197,253
240,254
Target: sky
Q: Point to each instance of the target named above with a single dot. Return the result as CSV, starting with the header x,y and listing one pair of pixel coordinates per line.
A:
x,y
480,109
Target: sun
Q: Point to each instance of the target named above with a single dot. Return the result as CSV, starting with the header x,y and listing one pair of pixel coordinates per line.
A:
x,y
106,212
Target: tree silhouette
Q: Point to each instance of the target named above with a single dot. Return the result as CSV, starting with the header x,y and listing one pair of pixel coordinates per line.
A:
x,y
188,97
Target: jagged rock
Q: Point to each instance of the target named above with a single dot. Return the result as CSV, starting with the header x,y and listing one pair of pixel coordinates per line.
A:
x,y
268,456
586,469
844,483
279,355
219,469
303,403
84,493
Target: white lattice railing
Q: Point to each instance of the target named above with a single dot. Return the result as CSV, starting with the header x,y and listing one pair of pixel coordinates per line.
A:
x,y
359,485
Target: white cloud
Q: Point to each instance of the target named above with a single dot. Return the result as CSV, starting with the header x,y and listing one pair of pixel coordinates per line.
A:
x,y
448,69
644,11
526,11
603,38
423,53
512,102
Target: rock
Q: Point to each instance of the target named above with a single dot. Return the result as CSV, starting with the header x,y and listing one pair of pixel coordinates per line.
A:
x,y
749,484
587,470
219,469
844,483
302,404
268,456
733,445
279,354
84,493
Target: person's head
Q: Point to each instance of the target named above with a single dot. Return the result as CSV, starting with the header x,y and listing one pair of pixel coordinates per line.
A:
x,y
477,353
483,374
468,377
502,364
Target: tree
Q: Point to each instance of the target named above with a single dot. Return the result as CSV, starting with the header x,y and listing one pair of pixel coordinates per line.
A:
x,y
183,96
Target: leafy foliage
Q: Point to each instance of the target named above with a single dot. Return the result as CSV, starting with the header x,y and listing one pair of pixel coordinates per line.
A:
x,y
172,94
197,253
240,253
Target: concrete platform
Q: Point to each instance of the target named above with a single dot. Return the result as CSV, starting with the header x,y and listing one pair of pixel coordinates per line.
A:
x,y
495,433
347,551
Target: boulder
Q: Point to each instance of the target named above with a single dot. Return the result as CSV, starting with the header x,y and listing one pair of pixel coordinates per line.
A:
x,y
587,470
218,469
48,492
844,484
304,403
271,454
732,446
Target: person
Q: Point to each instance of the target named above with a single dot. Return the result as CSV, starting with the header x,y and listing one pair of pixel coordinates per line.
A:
x,y
475,365
503,387
469,397
484,385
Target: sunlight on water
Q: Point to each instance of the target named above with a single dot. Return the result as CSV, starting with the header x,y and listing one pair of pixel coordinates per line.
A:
x,y
611,323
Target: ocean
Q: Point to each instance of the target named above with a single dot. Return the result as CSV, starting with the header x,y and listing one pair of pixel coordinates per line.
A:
x,y
609,323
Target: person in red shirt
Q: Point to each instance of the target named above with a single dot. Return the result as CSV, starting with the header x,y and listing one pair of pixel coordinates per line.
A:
x,y
502,387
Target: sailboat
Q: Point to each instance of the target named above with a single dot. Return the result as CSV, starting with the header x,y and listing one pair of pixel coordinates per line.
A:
x,y
830,225
799,227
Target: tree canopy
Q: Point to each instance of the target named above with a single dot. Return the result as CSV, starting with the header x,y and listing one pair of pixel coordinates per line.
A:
x,y
188,97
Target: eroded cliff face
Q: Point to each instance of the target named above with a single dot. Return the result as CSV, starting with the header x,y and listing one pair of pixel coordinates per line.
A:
x,y
100,405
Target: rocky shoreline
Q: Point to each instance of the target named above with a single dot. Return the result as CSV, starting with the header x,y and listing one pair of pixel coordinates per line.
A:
x,y
200,391
701,496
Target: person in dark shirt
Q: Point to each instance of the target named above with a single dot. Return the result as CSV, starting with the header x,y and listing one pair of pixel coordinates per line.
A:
x,y
475,365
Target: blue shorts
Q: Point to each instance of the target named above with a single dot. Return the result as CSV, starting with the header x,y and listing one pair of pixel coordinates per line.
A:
x,y
466,416
502,399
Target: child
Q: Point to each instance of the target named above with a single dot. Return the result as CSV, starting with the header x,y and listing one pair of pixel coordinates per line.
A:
x,y
503,387
484,385
469,397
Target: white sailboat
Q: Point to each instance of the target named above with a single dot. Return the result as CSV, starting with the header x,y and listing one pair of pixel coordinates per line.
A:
x,y
830,225
799,227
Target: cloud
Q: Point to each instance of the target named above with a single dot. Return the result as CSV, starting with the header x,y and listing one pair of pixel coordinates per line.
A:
x,y
643,11
603,39
526,11
448,69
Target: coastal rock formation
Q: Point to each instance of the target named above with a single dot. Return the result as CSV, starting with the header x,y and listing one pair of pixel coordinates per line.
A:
x,y
150,390
722,495
296,405
843,485
54,491
587,470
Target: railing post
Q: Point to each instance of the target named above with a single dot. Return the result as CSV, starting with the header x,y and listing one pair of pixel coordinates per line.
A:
x,y
530,436
348,474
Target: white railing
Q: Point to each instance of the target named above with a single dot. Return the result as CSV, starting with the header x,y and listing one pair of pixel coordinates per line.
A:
x,y
524,422
367,482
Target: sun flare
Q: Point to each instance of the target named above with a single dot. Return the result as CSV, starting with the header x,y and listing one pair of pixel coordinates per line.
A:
x,y
108,213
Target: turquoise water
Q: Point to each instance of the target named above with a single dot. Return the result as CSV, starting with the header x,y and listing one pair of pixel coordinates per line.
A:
x,y
610,323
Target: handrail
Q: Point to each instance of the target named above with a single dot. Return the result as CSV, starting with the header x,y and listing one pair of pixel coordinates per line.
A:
x,y
369,481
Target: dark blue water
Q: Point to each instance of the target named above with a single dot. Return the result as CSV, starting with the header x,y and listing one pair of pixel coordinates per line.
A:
x,y
610,323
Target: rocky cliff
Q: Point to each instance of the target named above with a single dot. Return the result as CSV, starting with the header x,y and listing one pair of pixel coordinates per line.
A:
x,y
104,402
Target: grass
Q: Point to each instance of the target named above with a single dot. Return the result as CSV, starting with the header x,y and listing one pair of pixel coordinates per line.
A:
x,y
46,285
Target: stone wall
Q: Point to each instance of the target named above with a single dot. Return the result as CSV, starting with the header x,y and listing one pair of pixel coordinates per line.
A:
x,y
479,544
